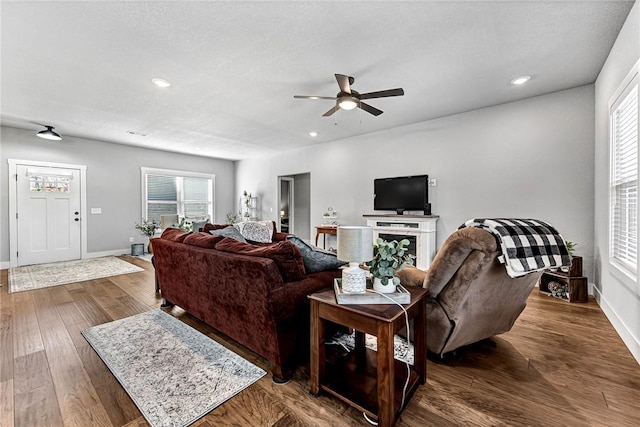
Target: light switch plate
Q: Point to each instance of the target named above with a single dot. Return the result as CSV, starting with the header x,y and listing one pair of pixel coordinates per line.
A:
x,y
96,210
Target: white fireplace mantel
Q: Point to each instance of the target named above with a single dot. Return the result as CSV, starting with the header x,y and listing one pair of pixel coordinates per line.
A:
x,y
422,227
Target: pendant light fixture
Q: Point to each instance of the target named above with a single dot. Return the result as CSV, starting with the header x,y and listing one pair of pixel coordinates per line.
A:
x,y
49,134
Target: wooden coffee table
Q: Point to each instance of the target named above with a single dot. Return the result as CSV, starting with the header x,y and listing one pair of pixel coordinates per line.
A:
x,y
370,381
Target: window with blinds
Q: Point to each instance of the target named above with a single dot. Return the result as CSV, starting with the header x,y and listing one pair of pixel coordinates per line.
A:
x,y
624,179
177,193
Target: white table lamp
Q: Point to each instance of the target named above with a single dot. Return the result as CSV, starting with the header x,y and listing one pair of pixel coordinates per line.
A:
x,y
355,245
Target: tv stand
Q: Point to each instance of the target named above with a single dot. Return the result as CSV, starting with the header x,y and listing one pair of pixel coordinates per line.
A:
x,y
419,229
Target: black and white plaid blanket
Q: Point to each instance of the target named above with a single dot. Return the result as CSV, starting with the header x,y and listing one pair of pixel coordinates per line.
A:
x,y
527,244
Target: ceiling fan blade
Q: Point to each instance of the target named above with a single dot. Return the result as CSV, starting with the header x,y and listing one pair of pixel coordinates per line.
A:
x,y
331,111
369,109
344,83
314,97
383,93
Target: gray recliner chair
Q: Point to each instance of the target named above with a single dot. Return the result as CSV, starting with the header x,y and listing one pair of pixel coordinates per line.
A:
x,y
470,297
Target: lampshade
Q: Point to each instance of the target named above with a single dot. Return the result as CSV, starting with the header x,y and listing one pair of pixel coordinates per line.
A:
x,y
348,103
49,134
355,244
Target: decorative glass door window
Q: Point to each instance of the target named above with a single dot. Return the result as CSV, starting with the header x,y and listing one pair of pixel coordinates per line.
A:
x,y
49,184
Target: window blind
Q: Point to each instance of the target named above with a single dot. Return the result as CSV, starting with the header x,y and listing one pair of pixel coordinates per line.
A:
x,y
187,196
624,179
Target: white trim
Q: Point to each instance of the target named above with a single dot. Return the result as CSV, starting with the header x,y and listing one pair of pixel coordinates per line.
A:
x,y
620,272
13,223
618,324
115,252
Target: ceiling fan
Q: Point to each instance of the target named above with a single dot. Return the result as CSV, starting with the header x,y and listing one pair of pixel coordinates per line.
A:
x,y
348,99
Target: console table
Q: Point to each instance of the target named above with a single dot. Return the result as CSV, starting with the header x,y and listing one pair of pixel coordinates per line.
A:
x,y
325,229
370,381
419,229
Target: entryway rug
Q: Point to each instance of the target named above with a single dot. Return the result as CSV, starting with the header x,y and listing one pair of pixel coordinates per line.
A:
x,y
61,273
172,372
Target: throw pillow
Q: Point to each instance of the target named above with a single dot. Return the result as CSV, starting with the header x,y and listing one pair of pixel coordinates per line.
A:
x,y
208,227
315,259
198,225
284,254
255,231
231,232
203,240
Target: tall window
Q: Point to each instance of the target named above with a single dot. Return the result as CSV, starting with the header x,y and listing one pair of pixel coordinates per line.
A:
x,y
624,178
186,194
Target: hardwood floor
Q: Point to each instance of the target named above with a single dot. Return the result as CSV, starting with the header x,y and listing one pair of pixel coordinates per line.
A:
x,y
561,365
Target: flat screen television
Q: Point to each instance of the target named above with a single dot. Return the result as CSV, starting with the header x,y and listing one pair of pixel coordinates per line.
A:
x,y
406,193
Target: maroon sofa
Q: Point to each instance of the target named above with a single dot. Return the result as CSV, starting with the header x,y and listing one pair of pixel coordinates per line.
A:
x,y
254,293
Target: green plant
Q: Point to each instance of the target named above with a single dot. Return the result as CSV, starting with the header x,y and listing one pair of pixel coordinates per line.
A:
x,y
232,218
147,227
571,247
389,257
183,224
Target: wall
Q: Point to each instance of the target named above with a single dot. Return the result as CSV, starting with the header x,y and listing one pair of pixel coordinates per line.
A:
x,y
619,301
531,158
113,183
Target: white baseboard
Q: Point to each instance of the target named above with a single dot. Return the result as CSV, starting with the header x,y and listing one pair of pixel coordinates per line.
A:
x,y
621,328
4,265
125,251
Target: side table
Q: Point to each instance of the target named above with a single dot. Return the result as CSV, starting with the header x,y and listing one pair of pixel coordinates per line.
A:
x,y
370,381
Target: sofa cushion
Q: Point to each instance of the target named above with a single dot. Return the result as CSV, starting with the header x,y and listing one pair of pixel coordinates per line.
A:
x,y
174,234
256,231
208,227
285,254
203,240
231,232
315,259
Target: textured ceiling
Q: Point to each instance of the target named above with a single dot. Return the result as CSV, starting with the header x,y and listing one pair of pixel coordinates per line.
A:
x,y
86,67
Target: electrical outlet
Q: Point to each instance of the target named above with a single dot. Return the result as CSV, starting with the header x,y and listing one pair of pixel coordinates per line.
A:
x,y
433,182
130,239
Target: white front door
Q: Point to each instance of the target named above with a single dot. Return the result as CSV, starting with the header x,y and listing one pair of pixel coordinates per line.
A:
x,y
48,214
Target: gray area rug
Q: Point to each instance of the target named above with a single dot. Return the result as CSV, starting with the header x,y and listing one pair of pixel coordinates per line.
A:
x,y
173,373
61,273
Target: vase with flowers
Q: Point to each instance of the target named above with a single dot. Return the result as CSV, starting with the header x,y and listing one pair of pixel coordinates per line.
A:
x,y
148,228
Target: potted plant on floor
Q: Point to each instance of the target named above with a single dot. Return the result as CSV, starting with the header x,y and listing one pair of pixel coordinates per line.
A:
x,y
388,257
148,228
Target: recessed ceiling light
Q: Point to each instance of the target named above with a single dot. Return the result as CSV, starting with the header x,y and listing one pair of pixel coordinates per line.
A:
x,y
520,80
313,134
160,82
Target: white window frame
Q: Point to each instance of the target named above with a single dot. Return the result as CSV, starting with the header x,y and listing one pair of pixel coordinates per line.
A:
x,y
144,171
625,272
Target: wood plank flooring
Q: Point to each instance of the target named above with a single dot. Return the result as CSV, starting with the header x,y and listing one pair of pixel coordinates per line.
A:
x,y
561,365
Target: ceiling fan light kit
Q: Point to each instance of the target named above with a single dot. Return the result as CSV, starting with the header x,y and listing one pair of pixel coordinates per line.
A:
x,y
49,134
348,103
348,99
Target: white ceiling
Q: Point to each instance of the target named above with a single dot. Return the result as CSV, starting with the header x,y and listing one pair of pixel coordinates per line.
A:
x,y
86,67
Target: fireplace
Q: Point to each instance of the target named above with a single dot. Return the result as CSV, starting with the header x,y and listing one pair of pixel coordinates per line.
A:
x,y
420,230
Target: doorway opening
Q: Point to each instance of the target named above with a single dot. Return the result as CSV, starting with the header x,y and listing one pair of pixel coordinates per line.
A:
x,y
294,204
